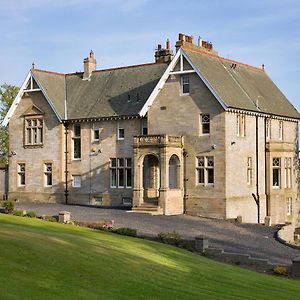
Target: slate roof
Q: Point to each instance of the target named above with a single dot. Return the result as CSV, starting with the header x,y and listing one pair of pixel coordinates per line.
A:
x,y
242,86
124,91
108,93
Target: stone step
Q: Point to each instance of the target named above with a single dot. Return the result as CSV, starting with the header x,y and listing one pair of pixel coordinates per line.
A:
x,y
145,208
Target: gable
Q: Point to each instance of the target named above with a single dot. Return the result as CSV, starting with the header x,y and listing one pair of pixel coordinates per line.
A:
x,y
30,85
33,110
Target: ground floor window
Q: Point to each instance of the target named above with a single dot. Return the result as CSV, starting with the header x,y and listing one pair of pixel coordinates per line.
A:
x,y
48,174
21,174
289,206
76,183
120,173
276,172
205,170
249,170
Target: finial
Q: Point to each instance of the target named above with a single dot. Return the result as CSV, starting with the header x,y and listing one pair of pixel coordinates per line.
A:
x,y
33,65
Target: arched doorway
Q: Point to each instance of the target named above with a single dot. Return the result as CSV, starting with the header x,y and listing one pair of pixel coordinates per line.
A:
x,y
151,178
174,172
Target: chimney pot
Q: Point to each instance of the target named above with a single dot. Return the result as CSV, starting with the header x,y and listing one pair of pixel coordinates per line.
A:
x,y
168,44
159,47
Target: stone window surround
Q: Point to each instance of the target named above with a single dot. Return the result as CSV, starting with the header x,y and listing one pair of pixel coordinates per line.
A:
x,y
205,124
75,138
241,125
21,174
288,172
289,207
121,172
120,131
48,174
185,85
276,172
76,181
249,171
204,165
33,131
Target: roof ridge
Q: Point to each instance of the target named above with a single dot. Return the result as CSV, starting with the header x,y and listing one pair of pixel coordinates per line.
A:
x,y
223,58
120,68
48,72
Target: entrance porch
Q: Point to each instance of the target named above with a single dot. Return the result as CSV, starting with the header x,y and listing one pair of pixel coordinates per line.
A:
x,y
158,174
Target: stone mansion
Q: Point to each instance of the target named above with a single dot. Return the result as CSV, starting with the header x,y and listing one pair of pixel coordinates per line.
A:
x,y
192,133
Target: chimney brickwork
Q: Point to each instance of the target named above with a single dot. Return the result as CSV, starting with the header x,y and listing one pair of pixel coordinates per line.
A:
x,y
89,64
164,55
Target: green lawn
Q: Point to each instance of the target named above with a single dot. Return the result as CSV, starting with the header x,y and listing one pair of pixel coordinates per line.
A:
x,y
43,260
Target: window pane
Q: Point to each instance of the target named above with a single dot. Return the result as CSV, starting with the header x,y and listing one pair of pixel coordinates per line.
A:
x,y
49,179
113,162
76,181
96,134
201,161
22,179
201,176
34,136
121,133
185,88
77,148
120,177
41,135
210,161
120,162
205,128
210,176
276,177
128,177
128,162
77,130
28,136
113,177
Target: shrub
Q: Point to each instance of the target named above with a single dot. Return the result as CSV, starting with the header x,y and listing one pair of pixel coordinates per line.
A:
x,y
31,214
107,225
9,206
172,238
49,218
125,231
280,270
19,213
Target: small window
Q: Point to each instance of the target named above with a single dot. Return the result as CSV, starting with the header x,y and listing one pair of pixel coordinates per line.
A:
x,y
76,181
205,123
289,206
113,172
126,201
185,83
249,170
21,174
280,133
276,172
240,125
96,135
144,127
48,174
268,129
76,141
121,132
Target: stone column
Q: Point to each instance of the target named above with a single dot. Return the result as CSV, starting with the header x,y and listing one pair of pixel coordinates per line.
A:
x,y
164,179
137,181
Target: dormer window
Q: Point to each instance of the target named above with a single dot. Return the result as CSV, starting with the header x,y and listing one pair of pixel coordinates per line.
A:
x,y
185,84
33,131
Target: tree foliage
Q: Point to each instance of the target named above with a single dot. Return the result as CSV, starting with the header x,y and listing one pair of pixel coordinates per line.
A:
x,y
7,95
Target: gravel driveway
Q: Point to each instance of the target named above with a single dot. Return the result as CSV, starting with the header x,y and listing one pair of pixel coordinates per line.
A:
x,y
256,240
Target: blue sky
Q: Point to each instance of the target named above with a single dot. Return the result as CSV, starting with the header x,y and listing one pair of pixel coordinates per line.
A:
x,y
58,34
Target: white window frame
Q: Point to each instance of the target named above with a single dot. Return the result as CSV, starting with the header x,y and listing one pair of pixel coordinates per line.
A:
x,y
48,173
34,133
76,181
287,172
185,80
74,138
203,122
249,170
144,127
276,167
21,172
95,140
120,127
289,203
205,167
120,168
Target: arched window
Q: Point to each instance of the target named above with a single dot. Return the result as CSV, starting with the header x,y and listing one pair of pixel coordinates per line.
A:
x,y
174,172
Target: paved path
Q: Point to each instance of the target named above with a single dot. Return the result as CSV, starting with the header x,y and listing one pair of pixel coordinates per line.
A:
x,y
256,240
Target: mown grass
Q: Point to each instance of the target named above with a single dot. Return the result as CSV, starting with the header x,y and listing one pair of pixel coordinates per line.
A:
x,y
44,260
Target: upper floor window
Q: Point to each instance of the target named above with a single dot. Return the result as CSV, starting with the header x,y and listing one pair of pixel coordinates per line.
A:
x,y
121,131
33,131
96,136
48,174
205,170
268,129
185,84
144,127
21,174
280,129
205,124
276,172
240,125
249,170
76,141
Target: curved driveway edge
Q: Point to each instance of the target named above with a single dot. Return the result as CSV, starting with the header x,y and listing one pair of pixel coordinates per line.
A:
x,y
253,239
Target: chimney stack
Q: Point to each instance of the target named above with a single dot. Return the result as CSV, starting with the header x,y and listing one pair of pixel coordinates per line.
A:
x,y
164,55
89,64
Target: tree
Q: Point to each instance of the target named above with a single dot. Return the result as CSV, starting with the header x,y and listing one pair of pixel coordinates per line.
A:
x,y
7,95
